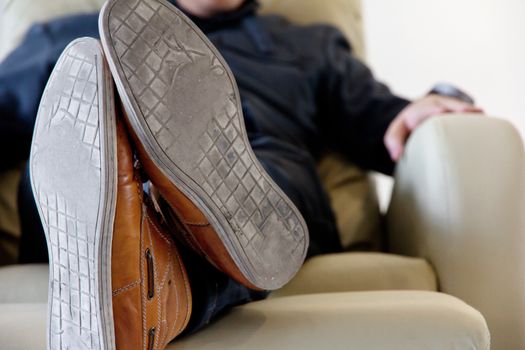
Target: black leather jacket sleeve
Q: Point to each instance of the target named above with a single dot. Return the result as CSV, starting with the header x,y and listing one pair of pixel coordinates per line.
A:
x,y
357,109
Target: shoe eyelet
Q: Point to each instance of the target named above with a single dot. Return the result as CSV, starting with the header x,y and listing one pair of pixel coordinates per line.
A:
x,y
151,274
151,338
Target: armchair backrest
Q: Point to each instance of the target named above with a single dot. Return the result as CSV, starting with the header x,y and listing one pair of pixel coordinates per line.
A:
x,y
17,16
344,14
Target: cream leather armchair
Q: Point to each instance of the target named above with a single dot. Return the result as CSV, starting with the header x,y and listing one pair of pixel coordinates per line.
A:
x,y
459,202
456,222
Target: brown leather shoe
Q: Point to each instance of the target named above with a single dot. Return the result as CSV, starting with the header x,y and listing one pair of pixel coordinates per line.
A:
x,y
184,113
151,291
116,279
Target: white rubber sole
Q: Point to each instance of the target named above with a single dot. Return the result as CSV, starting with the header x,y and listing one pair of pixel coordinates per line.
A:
x,y
73,176
183,104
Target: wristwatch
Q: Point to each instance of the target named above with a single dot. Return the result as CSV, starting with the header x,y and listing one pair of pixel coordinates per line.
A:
x,y
451,91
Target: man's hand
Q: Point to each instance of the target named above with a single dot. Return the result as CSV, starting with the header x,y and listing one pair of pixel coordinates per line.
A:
x,y
416,113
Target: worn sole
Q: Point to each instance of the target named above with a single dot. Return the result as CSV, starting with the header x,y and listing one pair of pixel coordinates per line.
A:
x,y
183,104
73,176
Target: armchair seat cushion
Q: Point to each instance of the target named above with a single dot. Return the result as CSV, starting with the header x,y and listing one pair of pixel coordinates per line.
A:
x,y
345,272
403,319
24,284
393,320
351,320
353,272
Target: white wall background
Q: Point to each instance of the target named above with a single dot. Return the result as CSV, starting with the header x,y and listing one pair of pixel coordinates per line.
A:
x,y
478,45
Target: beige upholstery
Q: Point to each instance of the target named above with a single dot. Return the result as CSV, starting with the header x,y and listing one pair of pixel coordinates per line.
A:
x,y
360,272
344,14
17,16
371,321
323,274
354,200
24,284
350,320
459,201
23,326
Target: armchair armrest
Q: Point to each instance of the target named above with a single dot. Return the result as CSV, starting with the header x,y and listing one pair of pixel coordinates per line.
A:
x,y
459,202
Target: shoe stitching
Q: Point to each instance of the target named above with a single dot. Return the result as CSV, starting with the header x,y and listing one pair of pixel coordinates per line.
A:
x,y
161,286
126,288
198,224
173,327
143,299
157,297
181,269
186,234
173,331
186,287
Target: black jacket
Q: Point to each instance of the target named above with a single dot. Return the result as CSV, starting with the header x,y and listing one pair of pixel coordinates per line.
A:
x,y
298,84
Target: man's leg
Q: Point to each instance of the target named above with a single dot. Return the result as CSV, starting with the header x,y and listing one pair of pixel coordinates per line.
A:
x,y
294,170
213,292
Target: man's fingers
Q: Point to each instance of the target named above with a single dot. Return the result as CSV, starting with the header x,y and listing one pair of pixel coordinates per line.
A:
x,y
455,105
417,116
436,105
395,138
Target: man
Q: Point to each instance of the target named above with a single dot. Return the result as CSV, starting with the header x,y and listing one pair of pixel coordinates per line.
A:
x,y
302,91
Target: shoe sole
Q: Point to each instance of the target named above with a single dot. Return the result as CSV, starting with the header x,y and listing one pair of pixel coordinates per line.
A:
x,y
73,177
183,105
